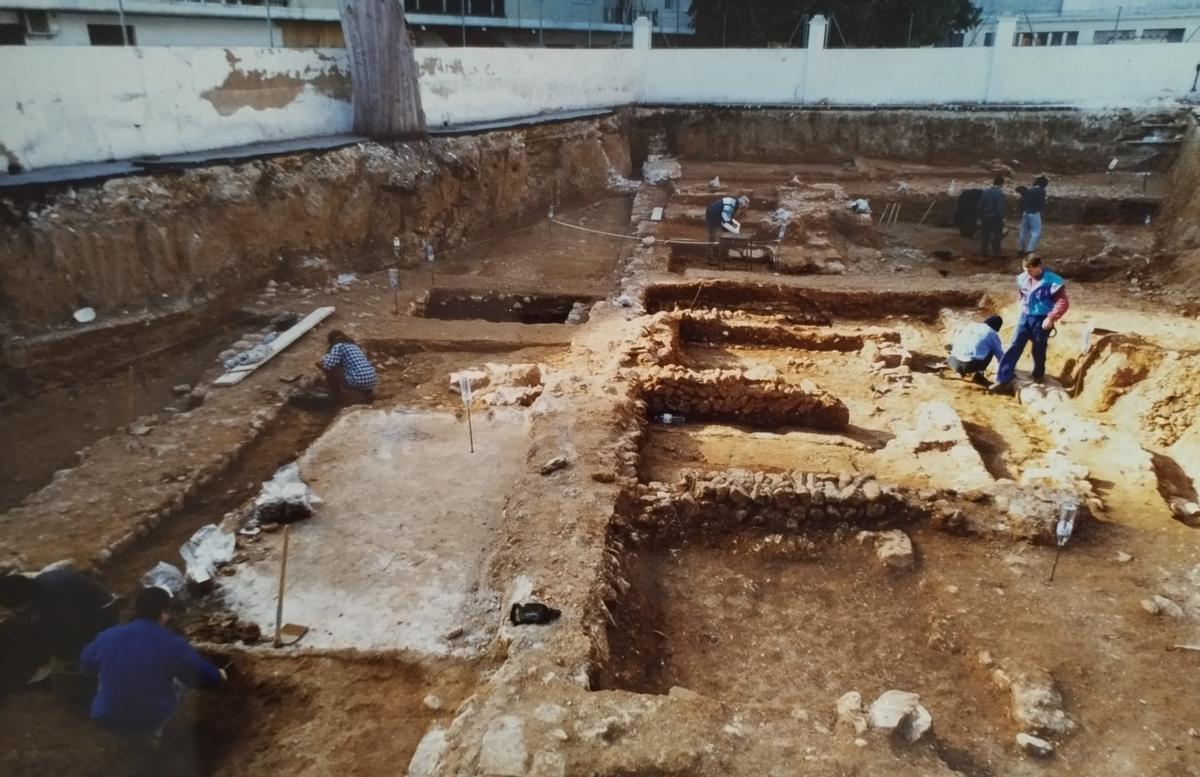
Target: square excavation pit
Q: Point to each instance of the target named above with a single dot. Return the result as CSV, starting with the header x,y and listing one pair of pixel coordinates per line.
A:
x,y
501,307
394,558
792,622
1002,433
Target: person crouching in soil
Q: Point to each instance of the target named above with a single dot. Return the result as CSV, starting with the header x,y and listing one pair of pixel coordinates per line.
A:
x,y
348,372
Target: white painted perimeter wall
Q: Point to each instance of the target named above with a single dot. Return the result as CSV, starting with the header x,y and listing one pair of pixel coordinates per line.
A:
x,y
62,105
67,104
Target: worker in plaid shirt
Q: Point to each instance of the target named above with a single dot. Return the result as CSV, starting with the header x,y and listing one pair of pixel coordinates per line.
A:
x,y
347,368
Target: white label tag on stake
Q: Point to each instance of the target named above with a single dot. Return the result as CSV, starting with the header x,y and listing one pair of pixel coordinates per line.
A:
x,y
394,278
464,389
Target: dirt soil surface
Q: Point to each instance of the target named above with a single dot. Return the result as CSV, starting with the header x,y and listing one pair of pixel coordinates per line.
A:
x,y
676,651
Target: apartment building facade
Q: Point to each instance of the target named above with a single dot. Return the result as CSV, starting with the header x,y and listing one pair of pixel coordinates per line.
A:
x,y
1088,22
305,23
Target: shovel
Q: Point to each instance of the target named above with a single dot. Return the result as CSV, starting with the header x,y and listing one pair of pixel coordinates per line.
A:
x,y
292,631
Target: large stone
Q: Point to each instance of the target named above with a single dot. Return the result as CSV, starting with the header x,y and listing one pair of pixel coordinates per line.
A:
x,y
850,711
429,752
1035,745
1161,605
762,372
476,379
894,549
1037,705
900,713
548,764
502,750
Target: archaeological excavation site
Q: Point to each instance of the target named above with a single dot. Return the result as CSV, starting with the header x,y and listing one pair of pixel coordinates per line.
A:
x,y
633,495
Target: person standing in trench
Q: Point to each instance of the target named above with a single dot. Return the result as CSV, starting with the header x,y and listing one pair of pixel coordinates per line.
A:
x,y
1044,302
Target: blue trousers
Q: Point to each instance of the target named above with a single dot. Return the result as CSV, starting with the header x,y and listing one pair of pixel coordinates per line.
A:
x,y
1030,232
1029,329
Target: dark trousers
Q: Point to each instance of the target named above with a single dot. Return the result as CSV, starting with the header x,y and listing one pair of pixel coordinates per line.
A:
x,y
968,367
991,229
713,237
1029,330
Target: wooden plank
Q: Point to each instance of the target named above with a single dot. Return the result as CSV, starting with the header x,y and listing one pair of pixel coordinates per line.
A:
x,y
239,373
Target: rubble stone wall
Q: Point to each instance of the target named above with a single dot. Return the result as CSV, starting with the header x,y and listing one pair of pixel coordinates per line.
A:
x,y
703,503
735,395
737,328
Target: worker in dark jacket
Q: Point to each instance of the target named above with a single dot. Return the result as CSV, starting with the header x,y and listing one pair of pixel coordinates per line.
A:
x,y
991,218
720,213
69,609
966,212
144,669
1033,202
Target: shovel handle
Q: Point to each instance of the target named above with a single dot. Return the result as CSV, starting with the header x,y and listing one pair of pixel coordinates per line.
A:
x,y
282,583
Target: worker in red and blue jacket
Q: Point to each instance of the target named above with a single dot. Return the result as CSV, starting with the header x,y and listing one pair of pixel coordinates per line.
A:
x,y
144,669
1043,302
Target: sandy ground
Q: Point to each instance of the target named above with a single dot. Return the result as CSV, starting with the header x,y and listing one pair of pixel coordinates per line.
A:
x,y
418,538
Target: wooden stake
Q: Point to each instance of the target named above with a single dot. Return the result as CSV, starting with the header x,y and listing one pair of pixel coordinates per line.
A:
x,y
282,580
931,204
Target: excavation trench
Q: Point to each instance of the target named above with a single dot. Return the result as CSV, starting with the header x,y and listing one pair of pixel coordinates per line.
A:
x,y
504,307
803,304
69,413
788,622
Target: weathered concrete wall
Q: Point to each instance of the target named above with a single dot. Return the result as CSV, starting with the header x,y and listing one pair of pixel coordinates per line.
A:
x,y
476,84
62,105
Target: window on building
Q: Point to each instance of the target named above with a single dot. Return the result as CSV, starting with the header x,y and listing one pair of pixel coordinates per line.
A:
x,y
110,35
989,39
1046,38
1172,35
12,35
669,5
1103,37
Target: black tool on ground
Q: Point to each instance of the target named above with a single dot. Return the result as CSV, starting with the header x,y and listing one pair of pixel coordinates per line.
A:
x,y
532,613
285,321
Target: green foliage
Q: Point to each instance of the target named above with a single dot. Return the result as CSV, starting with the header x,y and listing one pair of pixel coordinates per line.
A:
x,y
859,23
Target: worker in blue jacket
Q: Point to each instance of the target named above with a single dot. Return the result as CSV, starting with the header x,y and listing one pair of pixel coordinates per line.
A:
x,y
144,669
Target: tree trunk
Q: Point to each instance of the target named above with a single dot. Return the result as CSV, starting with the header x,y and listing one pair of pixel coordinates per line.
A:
x,y
383,70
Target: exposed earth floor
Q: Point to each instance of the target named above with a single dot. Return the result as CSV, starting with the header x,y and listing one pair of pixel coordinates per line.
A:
x,y
749,482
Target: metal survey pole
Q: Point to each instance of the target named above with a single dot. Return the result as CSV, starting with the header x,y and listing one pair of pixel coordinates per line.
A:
x,y
1116,24
270,27
911,16
121,16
